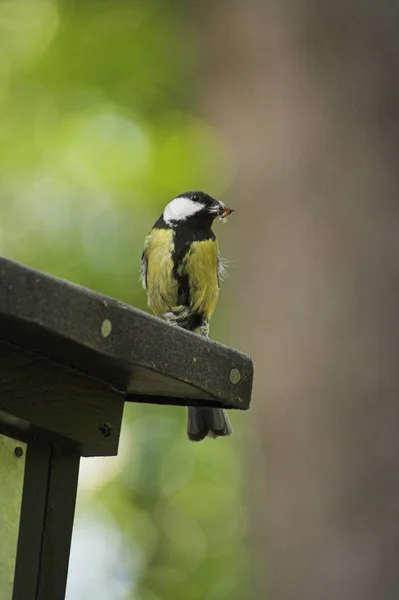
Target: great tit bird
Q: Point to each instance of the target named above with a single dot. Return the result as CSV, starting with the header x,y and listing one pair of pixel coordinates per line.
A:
x,y
181,271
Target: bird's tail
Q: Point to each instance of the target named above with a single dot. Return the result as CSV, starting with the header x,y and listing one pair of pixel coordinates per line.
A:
x,y
202,422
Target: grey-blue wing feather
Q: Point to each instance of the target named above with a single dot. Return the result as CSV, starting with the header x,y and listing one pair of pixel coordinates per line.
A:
x,y
143,270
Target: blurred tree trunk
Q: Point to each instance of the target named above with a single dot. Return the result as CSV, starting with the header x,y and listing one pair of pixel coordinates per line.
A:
x,y
307,95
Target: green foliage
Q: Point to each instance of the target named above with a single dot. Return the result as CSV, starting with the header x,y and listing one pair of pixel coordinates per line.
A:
x,y
97,132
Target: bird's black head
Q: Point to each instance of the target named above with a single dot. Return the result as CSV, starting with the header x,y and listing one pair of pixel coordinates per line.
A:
x,y
195,206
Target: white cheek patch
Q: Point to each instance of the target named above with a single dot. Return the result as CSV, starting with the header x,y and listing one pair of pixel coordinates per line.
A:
x,y
180,209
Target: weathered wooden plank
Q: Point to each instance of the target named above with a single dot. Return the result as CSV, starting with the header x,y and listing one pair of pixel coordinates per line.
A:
x,y
59,404
48,506
123,346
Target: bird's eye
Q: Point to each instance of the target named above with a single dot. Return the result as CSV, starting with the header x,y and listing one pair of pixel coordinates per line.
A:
x,y
195,198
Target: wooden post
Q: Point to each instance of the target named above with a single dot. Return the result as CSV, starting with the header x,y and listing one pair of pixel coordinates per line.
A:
x,y
69,359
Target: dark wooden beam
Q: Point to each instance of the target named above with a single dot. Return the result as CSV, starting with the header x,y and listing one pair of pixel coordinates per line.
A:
x,y
48,506
69,358
124,347
58,404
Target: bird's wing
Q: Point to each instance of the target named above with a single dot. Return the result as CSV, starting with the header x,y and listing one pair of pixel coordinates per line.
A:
x,y
143,269
157,271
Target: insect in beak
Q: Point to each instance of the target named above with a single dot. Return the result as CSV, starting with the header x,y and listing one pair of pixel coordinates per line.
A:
x,y
224,212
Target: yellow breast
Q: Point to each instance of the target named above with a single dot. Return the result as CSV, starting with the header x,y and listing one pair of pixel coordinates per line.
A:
x,y
199,264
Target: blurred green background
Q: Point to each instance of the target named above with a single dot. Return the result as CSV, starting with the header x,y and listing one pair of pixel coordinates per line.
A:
x,y
99,128
288,111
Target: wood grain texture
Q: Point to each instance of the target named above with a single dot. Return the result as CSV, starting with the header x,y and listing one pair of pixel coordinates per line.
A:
x,y
58,403
32,521
58,523
48,506
116,343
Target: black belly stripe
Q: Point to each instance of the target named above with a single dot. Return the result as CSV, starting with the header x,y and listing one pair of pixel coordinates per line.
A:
x,y
185,233
183,288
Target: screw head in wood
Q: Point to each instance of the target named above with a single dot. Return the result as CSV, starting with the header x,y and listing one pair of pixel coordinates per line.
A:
x,y
235,376
105,429
106,328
